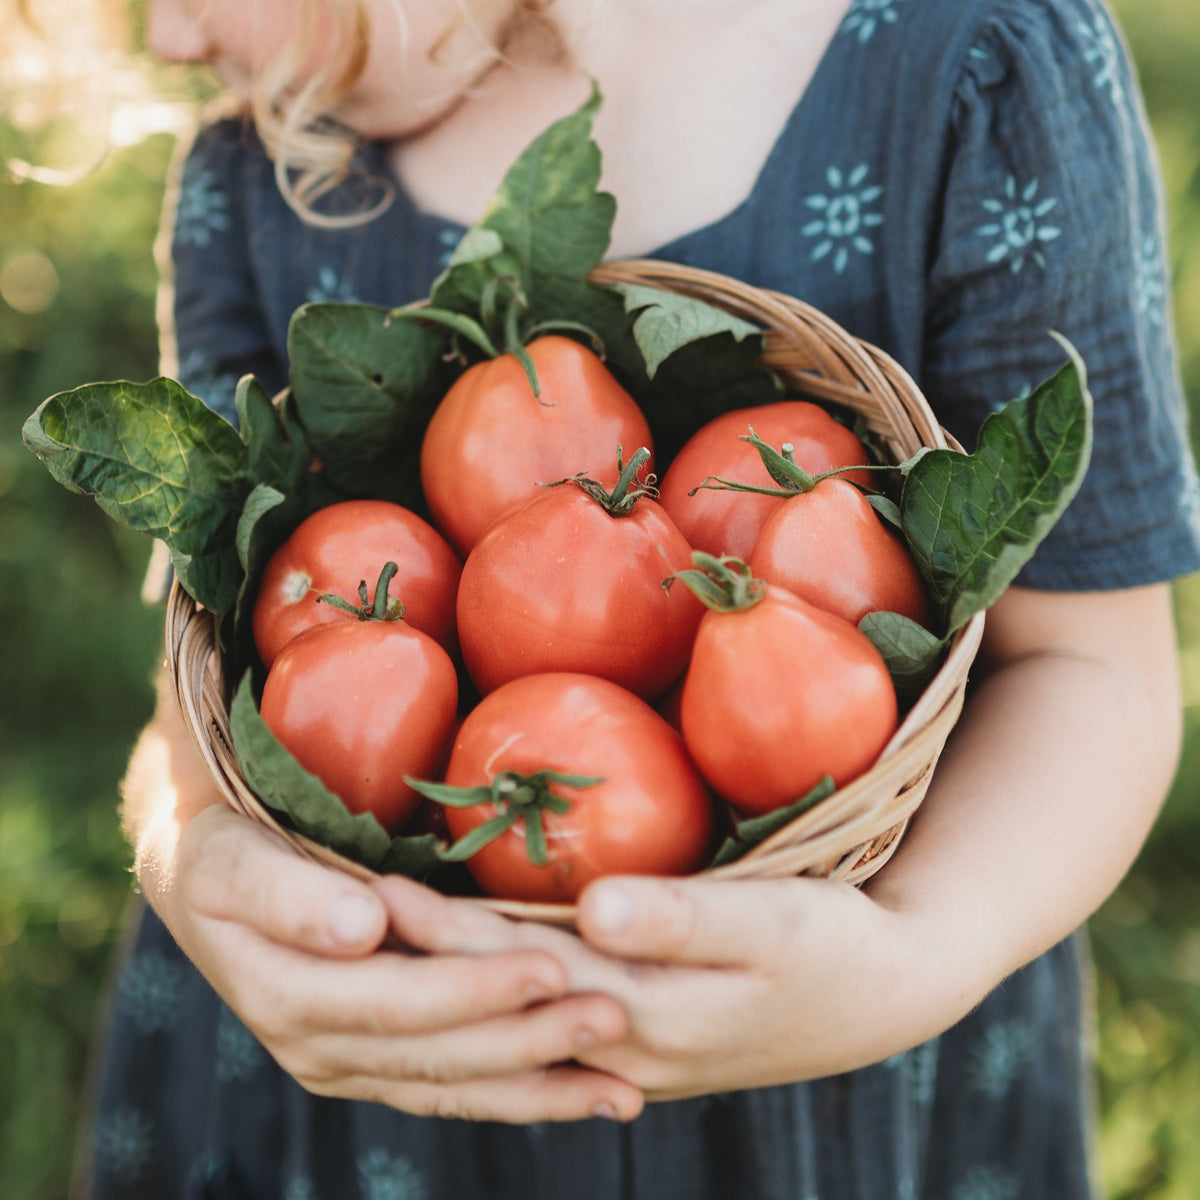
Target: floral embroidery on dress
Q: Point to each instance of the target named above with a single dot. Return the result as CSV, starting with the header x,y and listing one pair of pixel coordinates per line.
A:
x,y
299,1188
330,289
238,1053
998,1056
1019,229
216,388
124,1141
384,1176
986,1183
1102,53
150,991
448,239
865,16
203,208
1150,281
844,216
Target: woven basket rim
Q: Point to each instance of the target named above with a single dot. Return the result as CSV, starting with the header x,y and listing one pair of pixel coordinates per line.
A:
x,y
852,833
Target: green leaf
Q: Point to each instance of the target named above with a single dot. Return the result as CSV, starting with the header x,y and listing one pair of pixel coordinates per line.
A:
x,y
668,320
753,830
284,785
911,652
551,223
416,855
365,387
973,521
158,460
277,450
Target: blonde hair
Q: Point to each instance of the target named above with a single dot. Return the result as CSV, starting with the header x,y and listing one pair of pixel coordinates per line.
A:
x,y
71,61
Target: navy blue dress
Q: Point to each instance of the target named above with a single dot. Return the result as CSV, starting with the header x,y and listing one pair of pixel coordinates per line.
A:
x,y
959,177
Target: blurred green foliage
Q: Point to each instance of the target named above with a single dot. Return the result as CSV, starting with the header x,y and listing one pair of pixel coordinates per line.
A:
x,y
77,283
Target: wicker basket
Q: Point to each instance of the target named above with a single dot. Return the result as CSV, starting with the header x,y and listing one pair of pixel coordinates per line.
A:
x,y
848,836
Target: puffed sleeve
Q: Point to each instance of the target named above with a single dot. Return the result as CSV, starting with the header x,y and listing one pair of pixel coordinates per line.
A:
x,y
214,327
1053,219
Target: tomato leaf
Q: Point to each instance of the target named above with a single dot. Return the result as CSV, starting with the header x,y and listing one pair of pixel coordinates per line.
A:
x,y
911,652
283,784
551,225
973,521
158,460
666,321
416,855
750,832
365,387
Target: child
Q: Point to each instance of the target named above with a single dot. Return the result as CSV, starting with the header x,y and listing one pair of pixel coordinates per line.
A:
x,y
948,180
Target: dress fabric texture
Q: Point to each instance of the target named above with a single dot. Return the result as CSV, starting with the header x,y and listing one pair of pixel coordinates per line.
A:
x,y
959,177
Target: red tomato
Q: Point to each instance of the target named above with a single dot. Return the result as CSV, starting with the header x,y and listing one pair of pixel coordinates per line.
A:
x,y
334,550
652,813
780,694
360,704
562,585
729,522
831,548
491,441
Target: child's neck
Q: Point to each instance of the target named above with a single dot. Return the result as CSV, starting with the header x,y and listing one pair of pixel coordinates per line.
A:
x,y
691,109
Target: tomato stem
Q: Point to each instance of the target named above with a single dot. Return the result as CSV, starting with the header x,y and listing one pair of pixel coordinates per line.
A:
x,y
626,492
382,608
723,584
516,797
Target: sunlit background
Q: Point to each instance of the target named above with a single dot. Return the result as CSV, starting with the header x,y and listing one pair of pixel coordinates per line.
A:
x,y
77,283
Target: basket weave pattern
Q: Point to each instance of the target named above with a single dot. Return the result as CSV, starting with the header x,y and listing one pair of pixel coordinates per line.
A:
x,y
848,836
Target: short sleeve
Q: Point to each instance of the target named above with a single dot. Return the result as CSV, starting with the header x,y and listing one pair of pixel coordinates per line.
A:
x,y
1053,219
220,331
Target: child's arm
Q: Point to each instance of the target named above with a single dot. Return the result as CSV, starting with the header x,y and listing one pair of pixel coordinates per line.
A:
x,y
292,948
1045,792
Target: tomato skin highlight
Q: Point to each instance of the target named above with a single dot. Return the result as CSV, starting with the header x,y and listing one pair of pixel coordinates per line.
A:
x,y
830,547
780,694
729,522
561,585
336,548
652,814
490,441
362,704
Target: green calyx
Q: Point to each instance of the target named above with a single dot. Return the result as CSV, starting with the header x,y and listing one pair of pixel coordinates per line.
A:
x,y
517,797
781,465
503,309
723,584
626,492
382,608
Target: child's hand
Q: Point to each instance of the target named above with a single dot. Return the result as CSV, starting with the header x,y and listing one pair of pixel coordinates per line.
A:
x,y
746,984
297,951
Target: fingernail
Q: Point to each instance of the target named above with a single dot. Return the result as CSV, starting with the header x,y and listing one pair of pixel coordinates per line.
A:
x,y
537,991
605,1110
352,919
612,910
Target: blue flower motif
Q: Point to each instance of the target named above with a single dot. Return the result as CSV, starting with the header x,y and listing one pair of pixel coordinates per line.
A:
x,y
844,216
1150,281
300,1187
1019,228
998,1056
986,1183
330,289
150,990
448,239
384,1176
124,1143
1103,54
865,16
203,208
239,1054
199,374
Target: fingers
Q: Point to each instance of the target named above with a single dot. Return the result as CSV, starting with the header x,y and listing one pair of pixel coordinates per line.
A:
x,y
694,922
233,870
395,995
507,1045
562,1093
